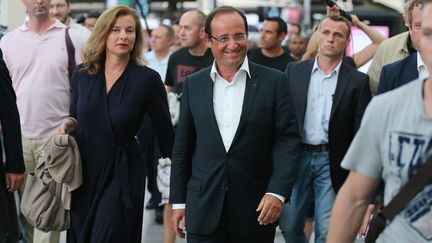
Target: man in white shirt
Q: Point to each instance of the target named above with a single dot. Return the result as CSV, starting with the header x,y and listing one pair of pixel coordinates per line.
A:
x,y
162,38
237,143
60,9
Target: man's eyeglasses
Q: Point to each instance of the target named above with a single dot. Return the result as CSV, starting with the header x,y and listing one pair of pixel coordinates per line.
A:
x,y
225,38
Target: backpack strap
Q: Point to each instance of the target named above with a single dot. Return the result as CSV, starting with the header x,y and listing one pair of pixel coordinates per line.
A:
x,y
71,53
419,180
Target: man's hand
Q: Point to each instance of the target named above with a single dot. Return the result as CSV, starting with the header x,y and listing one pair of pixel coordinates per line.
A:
x,y
356,21
335,10
14,181
270,208
177,216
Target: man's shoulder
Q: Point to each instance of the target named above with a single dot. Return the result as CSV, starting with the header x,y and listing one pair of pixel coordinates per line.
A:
x,y
353,70
254,51
179,56
402,62
295,65
196,80
199,75
150,56
402,37
263,70
356,79
180,52
143,75
393,103
79,30
398,97
394,42
14,35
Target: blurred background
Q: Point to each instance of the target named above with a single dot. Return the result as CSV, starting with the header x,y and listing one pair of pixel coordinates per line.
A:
x,y
384,13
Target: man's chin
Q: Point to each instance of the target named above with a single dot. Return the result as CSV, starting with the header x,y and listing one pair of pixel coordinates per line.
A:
x,y
234,62
41,15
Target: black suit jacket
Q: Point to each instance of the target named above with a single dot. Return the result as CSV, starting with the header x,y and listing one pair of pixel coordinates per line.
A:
x,y
262,158
398,73
351,97
10,124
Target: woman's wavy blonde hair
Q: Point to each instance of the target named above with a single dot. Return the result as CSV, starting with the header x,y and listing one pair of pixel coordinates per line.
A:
x,y
93,54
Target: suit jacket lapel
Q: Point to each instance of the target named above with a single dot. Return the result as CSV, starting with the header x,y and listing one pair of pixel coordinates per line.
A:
x,y
208,93
410,71
343,79
302,90
251,88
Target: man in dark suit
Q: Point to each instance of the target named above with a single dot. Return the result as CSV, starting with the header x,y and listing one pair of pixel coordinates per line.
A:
x,y
11,173
237,144
401,72
330,97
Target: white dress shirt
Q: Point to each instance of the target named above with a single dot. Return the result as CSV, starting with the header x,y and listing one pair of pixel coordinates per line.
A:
x,y
228,101
227,104
421,68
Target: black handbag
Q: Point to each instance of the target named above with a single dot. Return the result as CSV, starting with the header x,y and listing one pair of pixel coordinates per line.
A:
x,y
9,231
407,192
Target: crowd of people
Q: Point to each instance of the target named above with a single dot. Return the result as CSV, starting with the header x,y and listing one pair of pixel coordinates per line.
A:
x,y
231,138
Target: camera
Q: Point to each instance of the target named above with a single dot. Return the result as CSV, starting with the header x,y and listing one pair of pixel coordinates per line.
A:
x,y
330,3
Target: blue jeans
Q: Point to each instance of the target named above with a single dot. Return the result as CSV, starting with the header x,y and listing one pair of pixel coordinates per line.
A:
x,y
313,181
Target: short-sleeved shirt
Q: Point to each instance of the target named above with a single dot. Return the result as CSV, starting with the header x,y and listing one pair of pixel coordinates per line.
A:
x,y
393,141
38,66
181,63
280,62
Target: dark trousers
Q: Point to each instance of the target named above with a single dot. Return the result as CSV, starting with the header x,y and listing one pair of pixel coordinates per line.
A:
x,y
9,232
224,234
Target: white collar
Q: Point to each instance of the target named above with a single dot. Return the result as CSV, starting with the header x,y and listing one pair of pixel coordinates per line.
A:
x,y
56,24
245,67
316,67
421,67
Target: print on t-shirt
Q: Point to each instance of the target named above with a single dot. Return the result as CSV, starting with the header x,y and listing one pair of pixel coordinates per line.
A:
x,y
183,71
407,152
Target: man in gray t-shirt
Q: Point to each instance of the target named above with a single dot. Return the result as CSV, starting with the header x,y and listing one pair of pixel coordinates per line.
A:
x,y
393,141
